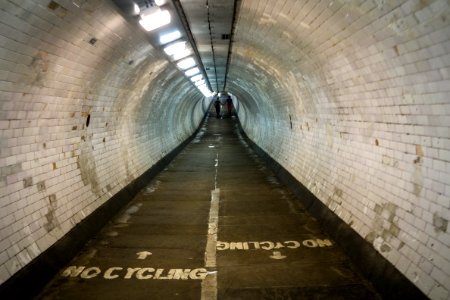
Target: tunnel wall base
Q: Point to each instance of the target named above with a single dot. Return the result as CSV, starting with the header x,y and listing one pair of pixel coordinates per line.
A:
x,y
388,281
41,270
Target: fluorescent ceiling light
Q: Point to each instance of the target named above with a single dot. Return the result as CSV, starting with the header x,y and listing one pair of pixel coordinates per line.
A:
x,y
203,87
136,8
155,20
175,48
206,92
181,54
200,82
192,71
186,63
197,78
169,37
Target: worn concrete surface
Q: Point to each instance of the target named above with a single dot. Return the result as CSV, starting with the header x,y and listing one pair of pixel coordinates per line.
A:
x,y
265,245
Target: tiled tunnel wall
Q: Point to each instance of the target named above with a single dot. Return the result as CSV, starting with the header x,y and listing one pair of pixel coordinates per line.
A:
x,y
359,102
355,92
86,107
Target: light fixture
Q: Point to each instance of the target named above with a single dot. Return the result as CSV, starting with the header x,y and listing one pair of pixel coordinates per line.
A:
x,y
136,9
192,71
155,19
186,63
202,86
197,78
169,37
200,82
205,91
182,54
160,2
175,47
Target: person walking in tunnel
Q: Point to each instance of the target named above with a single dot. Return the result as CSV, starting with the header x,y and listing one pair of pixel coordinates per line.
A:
x,y
229,105
217,106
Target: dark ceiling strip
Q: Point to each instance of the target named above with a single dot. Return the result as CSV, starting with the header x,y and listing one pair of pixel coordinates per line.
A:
x,y
237,5
212,46
187,28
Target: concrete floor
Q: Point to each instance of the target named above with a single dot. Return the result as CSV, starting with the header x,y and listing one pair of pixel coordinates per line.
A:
x,y
214,224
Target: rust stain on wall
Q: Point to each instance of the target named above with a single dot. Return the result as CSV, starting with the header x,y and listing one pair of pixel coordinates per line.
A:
x,y
419,151
330,135
41,186
417,176
384,227
52,221
440,224
27,182
39,66
86,163
389,161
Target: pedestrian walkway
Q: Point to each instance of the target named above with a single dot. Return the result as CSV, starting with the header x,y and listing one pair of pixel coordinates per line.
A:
x,y
215,224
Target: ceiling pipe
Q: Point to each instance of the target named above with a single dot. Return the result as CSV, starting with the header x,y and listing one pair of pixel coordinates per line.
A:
x,y
212,45
187,29
237,5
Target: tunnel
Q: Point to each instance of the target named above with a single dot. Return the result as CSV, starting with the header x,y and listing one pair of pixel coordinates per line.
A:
x,y
347,102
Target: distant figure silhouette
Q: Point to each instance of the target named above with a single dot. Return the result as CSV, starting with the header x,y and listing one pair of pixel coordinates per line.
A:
x,y
229,105
217,106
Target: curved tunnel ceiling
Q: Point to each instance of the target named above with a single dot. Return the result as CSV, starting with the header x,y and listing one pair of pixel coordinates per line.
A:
x,y
351,97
